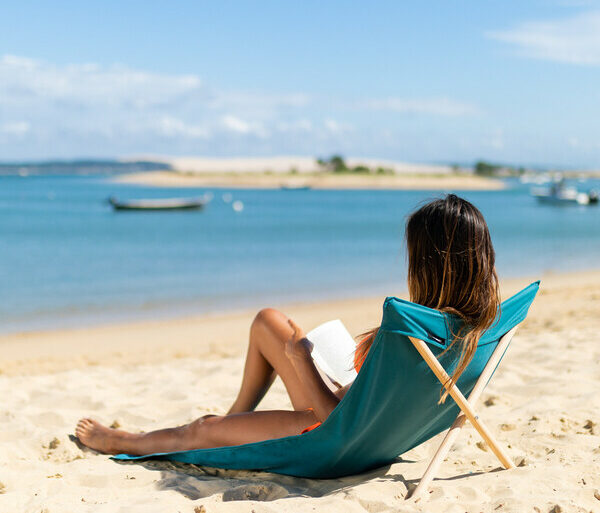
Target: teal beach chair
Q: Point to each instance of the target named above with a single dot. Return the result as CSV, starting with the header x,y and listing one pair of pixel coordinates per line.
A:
x,y
392,405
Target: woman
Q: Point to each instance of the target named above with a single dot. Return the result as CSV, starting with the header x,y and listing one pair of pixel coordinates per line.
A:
x,y
450,268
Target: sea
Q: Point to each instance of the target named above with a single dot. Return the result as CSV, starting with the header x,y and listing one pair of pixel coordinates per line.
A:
x,y
67,259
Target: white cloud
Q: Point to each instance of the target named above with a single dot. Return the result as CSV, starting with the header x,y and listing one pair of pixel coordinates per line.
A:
x,y
239,126
431,106
173,127
18,62
335,127
99,109
25,80
236,124
18,128
573,40
241,99
54,110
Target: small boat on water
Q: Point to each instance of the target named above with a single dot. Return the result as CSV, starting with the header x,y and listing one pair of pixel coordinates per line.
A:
x,y
294,187
160,204
561,194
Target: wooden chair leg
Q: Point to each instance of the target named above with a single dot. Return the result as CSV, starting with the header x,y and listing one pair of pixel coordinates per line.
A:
x,y
454,430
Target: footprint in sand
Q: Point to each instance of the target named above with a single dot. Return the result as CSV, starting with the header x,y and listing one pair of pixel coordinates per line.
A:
x,y
472,494
482,446
255,492
175,396
48,419
490,401
192,487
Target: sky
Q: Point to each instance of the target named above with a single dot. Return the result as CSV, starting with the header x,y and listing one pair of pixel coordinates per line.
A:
x,y
443,82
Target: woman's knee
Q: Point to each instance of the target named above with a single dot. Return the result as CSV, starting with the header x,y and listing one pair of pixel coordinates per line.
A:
x,y
200,429
268,317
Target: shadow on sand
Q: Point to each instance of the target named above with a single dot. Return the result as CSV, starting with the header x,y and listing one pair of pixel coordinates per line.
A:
x,y
196,482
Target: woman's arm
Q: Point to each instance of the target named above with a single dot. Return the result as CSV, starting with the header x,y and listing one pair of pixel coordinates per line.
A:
x,y
298,349
341,392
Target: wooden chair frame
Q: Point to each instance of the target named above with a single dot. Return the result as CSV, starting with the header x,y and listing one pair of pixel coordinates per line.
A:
x,y
467,411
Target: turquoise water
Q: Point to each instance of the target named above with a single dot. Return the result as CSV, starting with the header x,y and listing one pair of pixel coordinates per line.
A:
x,y
67,259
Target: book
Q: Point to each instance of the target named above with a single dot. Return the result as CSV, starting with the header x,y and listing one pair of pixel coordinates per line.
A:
x,y
333,351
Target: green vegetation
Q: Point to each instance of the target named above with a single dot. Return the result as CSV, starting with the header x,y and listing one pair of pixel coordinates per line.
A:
x,y
483,168
337,164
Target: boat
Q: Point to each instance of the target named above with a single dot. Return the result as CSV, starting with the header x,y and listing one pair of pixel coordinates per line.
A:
x,y
160,204
561,194
294,187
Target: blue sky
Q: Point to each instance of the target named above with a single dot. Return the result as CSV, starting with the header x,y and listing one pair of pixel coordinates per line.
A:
x,y
437,81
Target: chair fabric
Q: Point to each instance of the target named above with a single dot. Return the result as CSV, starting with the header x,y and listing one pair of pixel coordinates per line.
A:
x,y
391,407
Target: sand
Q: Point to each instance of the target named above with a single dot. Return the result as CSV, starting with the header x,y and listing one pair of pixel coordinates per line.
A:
x,y
454,182
542,404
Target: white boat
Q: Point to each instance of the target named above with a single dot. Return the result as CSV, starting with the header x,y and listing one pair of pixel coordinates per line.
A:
x,y
160,204
561,194
294,187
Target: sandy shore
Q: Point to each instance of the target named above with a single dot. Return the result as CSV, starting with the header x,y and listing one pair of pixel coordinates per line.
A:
x,y
315,181
542,404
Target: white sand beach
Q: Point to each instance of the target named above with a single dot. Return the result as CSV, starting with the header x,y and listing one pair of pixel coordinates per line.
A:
x,y
259,180
542,404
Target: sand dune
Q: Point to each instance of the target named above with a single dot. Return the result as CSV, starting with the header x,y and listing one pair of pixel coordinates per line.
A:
x,y
543,405
283,164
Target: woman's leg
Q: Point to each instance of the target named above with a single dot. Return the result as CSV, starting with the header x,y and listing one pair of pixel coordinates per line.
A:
x,y
206,432
265,360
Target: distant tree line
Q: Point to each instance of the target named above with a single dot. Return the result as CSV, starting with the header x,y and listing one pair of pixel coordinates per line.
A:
x,y
483,168
79,167
337,164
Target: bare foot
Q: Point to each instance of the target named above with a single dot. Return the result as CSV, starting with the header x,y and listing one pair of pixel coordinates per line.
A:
x,y
98,437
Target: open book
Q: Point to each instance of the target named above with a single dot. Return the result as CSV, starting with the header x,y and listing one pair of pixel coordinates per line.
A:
x,y
333,351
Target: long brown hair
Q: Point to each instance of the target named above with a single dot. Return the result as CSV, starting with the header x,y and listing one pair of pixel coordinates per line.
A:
x,y
451,268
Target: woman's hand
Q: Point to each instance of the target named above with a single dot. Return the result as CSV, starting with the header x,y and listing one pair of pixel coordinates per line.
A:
x,y
298,347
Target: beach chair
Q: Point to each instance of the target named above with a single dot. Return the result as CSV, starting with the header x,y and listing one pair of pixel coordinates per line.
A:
x,y
392,406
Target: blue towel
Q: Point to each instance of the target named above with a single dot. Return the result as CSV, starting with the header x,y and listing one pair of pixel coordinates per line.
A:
x,y
391,407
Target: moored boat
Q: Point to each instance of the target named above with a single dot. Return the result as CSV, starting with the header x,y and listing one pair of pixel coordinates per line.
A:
x,y
160,204
561,194
294,187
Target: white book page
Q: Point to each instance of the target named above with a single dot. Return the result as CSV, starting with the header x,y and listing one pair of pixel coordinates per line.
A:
x,y
333,351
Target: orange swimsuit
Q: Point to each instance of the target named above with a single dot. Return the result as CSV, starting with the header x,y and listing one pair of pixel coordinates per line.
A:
x,y
359,358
